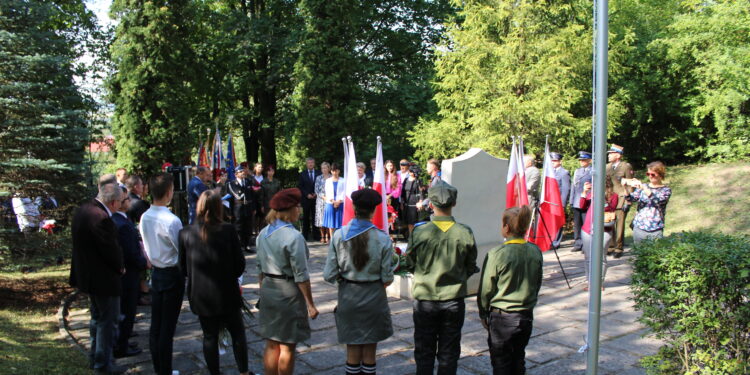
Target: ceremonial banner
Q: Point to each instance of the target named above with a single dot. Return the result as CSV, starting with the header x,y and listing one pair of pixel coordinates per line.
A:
x,y
380,219
515,190
350,182
231,161
551,211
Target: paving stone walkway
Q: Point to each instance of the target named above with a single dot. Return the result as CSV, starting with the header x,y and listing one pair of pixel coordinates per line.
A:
x,y
559,328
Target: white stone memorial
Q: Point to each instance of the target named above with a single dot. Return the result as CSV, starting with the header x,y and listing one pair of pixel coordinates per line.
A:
x,y
480,180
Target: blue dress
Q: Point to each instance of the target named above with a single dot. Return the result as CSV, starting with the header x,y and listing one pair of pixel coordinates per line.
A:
x,y
332,217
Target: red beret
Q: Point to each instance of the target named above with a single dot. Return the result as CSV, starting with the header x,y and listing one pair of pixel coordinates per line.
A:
x,y
286,199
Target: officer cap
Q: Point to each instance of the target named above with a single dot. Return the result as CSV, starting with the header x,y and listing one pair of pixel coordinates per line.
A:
x,y
584,155
555,156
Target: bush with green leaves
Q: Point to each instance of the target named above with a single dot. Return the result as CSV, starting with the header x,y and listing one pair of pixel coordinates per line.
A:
x,y
694,291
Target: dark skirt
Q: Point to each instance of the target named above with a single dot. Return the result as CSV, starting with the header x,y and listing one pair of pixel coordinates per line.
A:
x,y
362,314
283,312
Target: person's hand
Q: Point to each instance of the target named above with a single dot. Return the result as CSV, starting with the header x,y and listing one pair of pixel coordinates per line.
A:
x,y
484,324
419,205
586,187
148,264
312,312
310,196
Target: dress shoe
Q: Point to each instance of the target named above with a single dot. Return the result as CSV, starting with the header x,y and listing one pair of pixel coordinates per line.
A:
x,y
576,249
134,334
111,370
129,352
618,255
133,345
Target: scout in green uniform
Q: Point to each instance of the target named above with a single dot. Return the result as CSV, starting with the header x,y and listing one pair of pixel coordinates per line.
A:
x,y
442,255
359,259
508,290
285,296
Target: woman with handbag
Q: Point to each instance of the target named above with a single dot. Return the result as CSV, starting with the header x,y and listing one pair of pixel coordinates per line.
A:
x,y
610,199
359,260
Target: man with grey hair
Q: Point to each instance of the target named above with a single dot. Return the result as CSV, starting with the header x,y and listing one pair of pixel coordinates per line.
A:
x,y
108,178
96,269
532,180
306,185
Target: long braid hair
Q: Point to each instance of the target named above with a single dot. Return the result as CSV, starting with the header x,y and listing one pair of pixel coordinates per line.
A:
x,y
357,246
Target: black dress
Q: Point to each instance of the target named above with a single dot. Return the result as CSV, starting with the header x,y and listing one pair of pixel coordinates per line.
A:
x,y
411,194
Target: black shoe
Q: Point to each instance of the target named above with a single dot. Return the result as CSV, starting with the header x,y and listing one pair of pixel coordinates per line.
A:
x,y
134,334
129,352
617,255
133,345
576,249
251,249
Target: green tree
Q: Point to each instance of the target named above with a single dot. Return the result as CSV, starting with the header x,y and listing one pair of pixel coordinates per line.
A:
x,y
153,87
44,117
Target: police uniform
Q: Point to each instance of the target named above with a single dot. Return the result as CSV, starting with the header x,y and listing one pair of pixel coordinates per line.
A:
x,y
442,255
282,259
580,176
562,176
362,315
242,208
508,291
616,172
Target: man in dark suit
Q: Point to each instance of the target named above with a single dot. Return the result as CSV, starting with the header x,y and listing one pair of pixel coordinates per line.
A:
x,y
197,185
135,262
242,195
137,206
306,184
96,268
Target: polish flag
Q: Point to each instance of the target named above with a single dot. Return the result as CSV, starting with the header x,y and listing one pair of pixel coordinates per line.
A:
x,y
515,185
351,181
551,211
380,219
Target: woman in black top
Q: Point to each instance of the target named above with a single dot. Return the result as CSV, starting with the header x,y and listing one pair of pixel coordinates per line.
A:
x,y
411,194
212,261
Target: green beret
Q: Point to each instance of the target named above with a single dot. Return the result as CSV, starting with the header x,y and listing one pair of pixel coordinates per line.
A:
x,y
442,195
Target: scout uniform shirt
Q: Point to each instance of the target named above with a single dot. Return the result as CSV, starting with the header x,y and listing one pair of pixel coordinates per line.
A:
x,y
511,277
339,263
282,251
442,254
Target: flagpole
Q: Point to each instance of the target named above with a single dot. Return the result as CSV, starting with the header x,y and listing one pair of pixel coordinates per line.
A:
x,y
600,137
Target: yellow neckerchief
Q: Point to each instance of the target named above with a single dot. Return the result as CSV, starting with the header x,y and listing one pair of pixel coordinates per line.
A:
x,y
520,241
444,225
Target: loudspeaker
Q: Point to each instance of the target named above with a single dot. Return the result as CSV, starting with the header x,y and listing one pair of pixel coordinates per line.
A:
x,y
180,176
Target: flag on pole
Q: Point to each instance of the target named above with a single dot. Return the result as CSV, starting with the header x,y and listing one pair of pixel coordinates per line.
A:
x,y
351,181
231,161
201,151
551,210
515,185
202,157
380,219
206,161
217,155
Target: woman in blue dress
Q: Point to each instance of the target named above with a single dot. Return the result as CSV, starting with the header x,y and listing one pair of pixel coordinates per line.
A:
x,y
334,197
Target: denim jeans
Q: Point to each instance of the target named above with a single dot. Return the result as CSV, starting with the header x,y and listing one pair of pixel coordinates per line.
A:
x,y
437,333
167,290
105,313
509,333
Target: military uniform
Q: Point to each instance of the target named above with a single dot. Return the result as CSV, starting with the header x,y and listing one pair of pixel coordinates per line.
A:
x,y
616,172
282,259
580,176
508,291
362,315
442,255
532,185
242,209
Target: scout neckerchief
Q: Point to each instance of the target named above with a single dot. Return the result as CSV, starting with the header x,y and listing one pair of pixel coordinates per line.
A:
x,y
515,241
357,227
276,225
443,225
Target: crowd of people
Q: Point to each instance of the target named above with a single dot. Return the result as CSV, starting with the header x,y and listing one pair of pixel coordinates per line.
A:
x,y
118,236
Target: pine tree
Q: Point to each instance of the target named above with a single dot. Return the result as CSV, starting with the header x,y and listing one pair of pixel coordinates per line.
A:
x,y
152,89
44,117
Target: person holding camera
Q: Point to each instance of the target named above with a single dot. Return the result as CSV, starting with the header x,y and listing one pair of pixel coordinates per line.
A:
x,y
652,199
411,195
617,170
610,199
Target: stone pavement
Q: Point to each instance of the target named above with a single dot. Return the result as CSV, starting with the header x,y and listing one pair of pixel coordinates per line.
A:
x,y
559,328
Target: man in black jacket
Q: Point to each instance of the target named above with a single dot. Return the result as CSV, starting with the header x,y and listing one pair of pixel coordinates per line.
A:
x,y
96,269
135,262
306,185
242,194
137,205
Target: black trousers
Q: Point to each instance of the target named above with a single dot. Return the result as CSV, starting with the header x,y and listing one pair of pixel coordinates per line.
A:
x,y
579,216
212,327
243,222
308,218
509,333
167,290
131,289
437,333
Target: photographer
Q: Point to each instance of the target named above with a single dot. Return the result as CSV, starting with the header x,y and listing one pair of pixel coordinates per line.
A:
x,y
652,199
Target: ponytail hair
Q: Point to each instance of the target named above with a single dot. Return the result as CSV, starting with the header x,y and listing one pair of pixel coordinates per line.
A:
x,y
517,219
357,246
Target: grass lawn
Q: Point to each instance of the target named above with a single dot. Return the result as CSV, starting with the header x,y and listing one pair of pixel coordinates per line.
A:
x,y
30,342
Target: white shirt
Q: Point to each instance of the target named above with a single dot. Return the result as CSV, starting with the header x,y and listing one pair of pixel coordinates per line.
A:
x,y
27,213
160,230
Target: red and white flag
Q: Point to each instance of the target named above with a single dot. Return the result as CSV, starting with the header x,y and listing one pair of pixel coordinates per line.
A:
x,y
551,211
351,182
515,185
380,219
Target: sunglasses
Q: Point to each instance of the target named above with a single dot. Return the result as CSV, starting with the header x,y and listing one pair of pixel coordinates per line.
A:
x,y
651,174
404,164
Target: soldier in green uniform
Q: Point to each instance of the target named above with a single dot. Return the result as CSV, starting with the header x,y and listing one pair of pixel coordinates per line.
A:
x,y
442,255
617,169
285,297
508,292
359,260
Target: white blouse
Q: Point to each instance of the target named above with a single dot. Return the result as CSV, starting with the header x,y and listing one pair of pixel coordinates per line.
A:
x,y
338,195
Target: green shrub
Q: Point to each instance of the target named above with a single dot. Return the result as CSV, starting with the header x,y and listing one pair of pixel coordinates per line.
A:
x,y
694,291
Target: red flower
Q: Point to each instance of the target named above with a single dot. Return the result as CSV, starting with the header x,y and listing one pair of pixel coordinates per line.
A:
x,y
398,250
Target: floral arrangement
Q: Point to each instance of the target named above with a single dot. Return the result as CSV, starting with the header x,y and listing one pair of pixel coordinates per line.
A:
x,y
399,260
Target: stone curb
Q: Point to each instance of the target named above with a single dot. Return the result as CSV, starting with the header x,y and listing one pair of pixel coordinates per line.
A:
x,y
62,318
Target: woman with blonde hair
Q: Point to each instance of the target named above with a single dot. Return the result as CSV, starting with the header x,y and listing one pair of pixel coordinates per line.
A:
x,y
320,201
211,259
285,296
